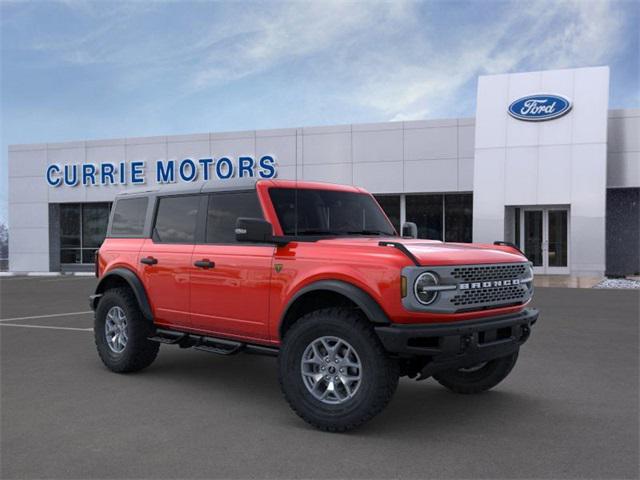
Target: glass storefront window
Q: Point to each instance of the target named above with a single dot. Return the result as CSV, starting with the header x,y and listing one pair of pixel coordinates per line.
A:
x,y
447,217
69,226
82,230
426,211
458,217
391,206
95,218
70,255
517,229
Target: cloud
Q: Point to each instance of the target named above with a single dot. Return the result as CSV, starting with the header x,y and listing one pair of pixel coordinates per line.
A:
x,y
224,43
401,60
296,30
524,36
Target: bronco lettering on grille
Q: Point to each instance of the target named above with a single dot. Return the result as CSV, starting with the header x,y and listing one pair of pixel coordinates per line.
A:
x,y
494,283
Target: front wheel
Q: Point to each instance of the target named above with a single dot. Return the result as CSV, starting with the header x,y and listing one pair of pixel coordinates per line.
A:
x,y
333,370
478,378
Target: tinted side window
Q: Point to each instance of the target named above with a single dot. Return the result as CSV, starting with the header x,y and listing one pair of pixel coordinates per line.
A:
x,y
176,219
224,210
128,217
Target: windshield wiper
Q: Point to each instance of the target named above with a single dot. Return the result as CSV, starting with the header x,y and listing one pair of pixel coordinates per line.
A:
x,y
312,231
343,232
370,232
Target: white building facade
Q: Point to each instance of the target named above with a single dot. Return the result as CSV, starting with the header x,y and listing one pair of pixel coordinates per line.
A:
x,y
562,181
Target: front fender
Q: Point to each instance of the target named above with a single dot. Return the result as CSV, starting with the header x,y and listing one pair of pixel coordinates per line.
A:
x,y
362,299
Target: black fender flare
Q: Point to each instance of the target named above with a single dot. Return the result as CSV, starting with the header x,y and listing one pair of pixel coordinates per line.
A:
x,y
134,283
362,299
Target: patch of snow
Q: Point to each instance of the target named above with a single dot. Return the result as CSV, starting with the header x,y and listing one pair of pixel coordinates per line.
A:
x,y
624,283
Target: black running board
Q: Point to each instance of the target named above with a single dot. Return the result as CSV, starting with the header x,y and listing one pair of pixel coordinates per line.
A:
x,y
220,346
168,337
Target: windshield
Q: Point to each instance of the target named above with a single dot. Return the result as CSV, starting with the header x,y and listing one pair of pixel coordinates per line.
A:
x,y
328,212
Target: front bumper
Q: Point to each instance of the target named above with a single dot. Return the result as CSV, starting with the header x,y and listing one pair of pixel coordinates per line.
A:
x,y
461,344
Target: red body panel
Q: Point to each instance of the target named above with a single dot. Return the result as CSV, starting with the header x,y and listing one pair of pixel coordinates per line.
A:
x,y
233,297
168,282
246,294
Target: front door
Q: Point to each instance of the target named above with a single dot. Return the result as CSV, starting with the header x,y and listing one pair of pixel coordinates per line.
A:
x,y
230,281
544,235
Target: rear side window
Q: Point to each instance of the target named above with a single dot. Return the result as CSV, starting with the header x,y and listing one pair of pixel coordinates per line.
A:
x,y
176,219
128,217
223,212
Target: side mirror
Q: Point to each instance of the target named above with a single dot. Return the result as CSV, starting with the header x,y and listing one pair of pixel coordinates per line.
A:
x,y
254,230
409,230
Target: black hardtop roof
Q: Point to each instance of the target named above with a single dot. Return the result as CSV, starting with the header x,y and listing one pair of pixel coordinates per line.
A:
x,y
179,189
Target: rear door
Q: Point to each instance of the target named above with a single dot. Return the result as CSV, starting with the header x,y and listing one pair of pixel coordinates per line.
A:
x,y
230,281
165,259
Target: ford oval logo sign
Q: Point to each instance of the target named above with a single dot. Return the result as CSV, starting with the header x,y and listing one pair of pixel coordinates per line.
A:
x,y
536,108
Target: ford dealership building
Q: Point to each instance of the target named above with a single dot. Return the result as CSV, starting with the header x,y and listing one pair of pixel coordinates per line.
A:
x,y
544,164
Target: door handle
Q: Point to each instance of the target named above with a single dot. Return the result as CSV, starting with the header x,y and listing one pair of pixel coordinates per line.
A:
x,y
204,264
149,260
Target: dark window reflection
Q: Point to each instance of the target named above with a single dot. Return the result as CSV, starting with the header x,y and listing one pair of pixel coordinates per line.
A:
x,y
391,206
558,245
327,212
458,218
426,212
82,230
517,229
223,212
95,218
129,216
176,219
533,236
70,255
70,225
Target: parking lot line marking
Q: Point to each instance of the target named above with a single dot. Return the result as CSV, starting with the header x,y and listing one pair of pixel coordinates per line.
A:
x,y
45,326
34,317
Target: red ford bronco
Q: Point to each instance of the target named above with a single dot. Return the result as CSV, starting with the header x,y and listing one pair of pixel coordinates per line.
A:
x,y
316,275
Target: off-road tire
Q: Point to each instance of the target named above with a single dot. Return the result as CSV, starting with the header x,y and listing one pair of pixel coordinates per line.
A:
x,y
139,352
478,381
379,373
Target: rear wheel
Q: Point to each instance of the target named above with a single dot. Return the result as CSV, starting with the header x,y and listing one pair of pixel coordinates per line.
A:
x,y
477,378
121,331
333,371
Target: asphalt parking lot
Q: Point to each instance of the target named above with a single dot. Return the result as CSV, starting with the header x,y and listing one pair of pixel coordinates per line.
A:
x,y
568,410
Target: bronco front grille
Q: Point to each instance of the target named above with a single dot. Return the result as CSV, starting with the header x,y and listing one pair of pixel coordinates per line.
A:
x,y
492,295
466,288
480,273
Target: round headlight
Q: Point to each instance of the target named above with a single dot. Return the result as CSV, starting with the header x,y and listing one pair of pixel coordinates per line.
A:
x,y
422,290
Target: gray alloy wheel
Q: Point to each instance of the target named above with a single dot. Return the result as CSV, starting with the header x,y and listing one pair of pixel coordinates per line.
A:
x,y
331,370
115,329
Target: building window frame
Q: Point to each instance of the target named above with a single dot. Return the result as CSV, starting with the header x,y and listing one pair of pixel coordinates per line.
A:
x,y
85,253
443,201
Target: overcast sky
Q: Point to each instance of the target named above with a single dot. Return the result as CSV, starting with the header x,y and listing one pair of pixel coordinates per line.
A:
x,y
75,70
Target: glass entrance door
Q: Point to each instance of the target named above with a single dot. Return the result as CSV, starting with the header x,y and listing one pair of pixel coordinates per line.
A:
x,y
544,234
533,240
557,245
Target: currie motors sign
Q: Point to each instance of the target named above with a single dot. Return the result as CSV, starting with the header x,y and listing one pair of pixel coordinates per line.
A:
x,y
164,171
540,107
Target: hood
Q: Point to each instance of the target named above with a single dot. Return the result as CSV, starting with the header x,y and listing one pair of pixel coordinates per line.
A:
x,y
433,252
